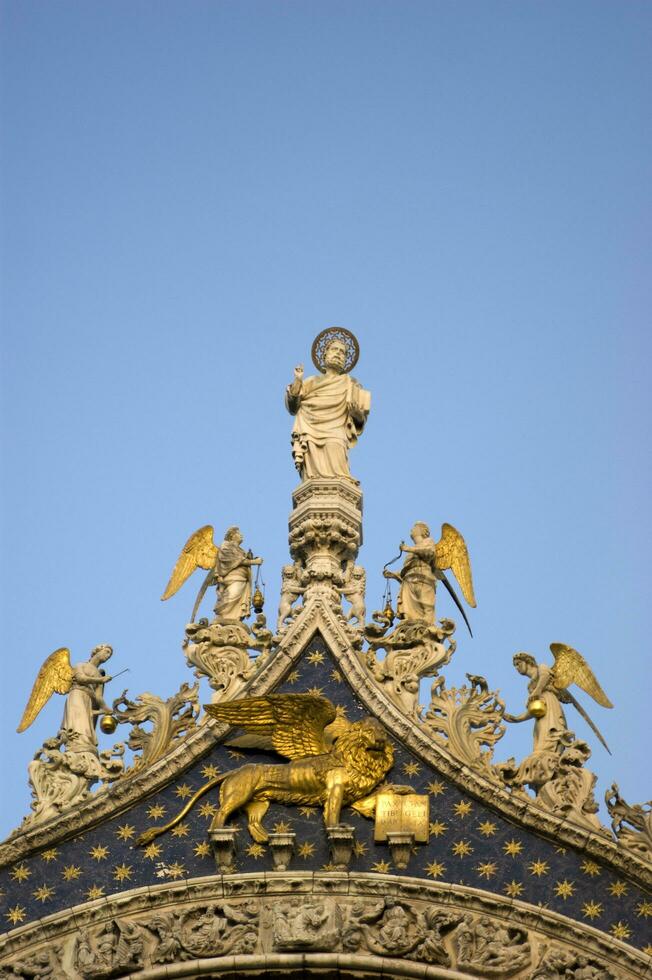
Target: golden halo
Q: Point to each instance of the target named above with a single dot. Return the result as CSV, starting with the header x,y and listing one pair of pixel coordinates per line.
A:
x,y
323,339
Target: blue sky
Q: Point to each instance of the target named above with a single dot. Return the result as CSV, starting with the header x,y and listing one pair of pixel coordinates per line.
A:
x,y
191,191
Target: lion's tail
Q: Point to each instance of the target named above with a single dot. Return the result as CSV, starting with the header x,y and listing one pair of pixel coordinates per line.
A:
x,y
153,832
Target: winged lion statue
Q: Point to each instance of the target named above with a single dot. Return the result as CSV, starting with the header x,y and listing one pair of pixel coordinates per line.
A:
x,y
333,762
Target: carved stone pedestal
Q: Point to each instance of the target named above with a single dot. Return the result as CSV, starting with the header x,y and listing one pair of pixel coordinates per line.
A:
x,y
400,843
341,840
282,848
325,530
223,844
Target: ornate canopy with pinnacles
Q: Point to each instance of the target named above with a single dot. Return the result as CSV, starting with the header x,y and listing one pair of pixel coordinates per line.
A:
x,y
315,818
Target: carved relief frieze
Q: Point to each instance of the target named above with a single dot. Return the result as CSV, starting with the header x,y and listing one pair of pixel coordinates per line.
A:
x,y
376,917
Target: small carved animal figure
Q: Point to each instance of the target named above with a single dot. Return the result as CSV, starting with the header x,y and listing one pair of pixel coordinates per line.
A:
x,y
355,583
333,768
291,589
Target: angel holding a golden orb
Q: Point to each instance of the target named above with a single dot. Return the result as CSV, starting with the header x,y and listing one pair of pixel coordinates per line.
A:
x,y
84,685
547,693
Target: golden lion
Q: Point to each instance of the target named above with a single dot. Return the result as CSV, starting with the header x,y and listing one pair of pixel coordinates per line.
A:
x,y
335,763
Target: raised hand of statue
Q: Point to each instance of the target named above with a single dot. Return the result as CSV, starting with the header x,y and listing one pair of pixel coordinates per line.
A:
x,y
298,372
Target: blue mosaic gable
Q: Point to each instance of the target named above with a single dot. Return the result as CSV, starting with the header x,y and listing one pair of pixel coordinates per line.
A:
x,y
470,844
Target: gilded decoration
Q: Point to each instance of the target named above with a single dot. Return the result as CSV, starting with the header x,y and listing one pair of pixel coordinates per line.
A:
x,y
391,836
334,763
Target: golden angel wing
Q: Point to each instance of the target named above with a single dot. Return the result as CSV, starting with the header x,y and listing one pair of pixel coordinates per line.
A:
x,y
199,551
54,676
571,668
451,552
295,722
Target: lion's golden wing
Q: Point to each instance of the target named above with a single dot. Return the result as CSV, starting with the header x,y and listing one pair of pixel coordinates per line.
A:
x,y
295,722
199,551
571,668
54,676
451,552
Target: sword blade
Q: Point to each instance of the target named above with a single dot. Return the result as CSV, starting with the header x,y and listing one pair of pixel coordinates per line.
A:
x,y
442,577
201,594
586,718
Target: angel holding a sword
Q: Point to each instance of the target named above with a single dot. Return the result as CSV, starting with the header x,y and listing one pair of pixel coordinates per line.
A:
x,y
425,565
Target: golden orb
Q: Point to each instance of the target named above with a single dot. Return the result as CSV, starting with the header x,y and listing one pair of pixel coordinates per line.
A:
x,y
258,601
108,724
388,613
537,707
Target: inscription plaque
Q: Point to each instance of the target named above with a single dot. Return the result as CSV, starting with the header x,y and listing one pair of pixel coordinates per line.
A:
x,y
409,814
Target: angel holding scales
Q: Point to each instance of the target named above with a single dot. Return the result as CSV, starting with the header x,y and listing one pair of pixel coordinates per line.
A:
x,y
229,569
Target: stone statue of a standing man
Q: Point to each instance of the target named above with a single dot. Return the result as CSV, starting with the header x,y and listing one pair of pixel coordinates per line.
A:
x,y
330,408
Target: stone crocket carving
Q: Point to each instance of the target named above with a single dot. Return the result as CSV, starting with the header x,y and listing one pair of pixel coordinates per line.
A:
x,y
466,720
171,720
334,762
638,835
